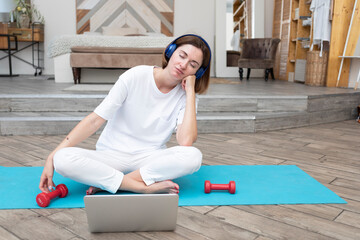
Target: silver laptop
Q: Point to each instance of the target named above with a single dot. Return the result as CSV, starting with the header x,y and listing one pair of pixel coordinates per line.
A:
x,y
131,212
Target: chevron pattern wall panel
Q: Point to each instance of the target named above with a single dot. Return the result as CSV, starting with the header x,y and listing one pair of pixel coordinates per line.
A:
x,y
155,16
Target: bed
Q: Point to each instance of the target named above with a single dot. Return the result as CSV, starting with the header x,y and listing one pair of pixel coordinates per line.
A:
x,y
71,53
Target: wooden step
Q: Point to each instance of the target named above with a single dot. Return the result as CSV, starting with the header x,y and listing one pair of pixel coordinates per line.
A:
x,y
25,114
51,123
207,103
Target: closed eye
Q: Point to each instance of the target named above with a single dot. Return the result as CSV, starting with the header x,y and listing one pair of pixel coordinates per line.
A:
x,y
193,63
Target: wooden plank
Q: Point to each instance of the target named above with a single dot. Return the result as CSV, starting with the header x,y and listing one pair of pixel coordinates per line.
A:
x,y
263,225
276,33
211,227
75,221
316,170
318,210
3,40
352,184
17,156
179,233
7,235
337,169
170,18
248,26
284,52
80,13
247,159
340,24
201,209
351,46
352,205
345,192
324,227
25,224
354,32
277,19
4,162
349,218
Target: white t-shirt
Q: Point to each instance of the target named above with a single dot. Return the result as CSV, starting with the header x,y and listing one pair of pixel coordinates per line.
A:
x,y
140,117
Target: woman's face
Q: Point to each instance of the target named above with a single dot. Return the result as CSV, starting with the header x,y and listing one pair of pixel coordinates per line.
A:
x,y
185,61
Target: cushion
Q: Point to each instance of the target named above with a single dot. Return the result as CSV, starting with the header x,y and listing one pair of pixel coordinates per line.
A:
x,y
255,63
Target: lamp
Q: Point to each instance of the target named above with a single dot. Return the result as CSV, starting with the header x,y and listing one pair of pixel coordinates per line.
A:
x,y
6,7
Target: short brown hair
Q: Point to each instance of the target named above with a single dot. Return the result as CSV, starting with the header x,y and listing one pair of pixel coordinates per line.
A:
x,y
201,84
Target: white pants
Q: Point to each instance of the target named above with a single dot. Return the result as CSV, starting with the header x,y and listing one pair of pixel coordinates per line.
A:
x,y
106,169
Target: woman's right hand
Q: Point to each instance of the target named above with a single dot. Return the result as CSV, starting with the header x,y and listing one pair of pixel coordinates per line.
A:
x,y
46,179
89,125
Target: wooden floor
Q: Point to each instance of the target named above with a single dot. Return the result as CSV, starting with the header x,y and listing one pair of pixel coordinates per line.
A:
x,y
329,153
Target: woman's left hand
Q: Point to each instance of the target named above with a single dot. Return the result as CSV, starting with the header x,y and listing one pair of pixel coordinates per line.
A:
x,y
188,83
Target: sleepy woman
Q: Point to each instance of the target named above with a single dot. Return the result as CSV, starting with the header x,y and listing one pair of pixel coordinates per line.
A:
x,y
144,107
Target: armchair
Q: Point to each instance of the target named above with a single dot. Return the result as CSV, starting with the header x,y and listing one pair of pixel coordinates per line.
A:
x,y
258,53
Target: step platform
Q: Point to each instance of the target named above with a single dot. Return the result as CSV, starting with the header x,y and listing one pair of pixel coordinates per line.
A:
x,y
52,114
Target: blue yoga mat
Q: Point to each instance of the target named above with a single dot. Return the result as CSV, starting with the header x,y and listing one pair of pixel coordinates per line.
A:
x,y
285,184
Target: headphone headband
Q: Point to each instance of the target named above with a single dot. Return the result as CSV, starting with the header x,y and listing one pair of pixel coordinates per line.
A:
x,y
172,47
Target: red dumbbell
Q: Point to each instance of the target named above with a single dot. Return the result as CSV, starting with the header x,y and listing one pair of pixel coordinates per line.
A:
x,y
231,187
43,199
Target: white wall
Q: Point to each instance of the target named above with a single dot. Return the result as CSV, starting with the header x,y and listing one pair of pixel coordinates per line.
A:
x,y
258,19
59,19
190,17
269,17
196,16
263,15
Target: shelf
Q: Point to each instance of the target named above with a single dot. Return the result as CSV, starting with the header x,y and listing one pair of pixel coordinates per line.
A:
x,y
27,34
238,11
290,19
240,17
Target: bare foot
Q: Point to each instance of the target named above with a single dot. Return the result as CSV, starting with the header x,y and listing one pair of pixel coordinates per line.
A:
x,y
133,182
163,187
93,190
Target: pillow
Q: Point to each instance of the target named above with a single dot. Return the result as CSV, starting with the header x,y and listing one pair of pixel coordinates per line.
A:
x,y
117,31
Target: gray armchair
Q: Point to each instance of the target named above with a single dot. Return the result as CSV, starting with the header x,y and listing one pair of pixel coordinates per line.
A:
x,y
258,53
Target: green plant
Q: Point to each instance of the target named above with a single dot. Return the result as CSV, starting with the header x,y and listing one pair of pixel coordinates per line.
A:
x,y
23,7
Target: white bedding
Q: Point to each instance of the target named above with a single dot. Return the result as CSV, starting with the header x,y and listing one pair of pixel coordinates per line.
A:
x,y
63,44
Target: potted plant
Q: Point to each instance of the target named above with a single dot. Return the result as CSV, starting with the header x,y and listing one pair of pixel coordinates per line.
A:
x,y
24,13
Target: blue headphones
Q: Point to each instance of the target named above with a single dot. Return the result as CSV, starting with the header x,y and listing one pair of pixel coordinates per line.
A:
x,y
172,47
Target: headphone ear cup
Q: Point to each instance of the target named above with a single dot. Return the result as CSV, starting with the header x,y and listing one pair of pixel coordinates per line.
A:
x,y
199,73
170,50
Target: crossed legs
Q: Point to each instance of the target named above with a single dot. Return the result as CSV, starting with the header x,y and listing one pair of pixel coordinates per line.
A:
x,y
141,173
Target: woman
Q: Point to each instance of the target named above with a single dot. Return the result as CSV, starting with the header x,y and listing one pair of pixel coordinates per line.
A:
x,y
142,110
